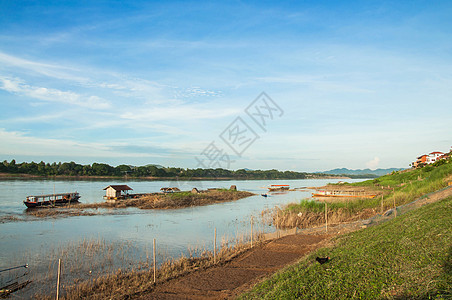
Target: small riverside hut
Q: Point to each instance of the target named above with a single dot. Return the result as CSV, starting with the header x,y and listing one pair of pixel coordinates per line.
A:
x,y
117,191
194,191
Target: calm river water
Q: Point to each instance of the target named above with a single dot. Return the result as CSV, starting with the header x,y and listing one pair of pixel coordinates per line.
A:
x,y
40,241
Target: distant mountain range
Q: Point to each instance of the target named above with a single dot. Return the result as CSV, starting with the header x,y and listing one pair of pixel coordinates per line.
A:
x,y
345,171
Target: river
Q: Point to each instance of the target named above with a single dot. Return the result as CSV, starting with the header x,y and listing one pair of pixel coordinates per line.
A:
x,y
39,242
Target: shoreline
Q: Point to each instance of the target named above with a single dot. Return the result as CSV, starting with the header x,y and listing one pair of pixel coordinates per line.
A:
x,y
150,178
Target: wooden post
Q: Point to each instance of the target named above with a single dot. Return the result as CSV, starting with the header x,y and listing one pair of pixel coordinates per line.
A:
x,y
395,208
58,280
155,265
215,247
251,231
381,204
326,217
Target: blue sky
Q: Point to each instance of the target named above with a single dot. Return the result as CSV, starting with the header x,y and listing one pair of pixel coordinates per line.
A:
x,y
361,83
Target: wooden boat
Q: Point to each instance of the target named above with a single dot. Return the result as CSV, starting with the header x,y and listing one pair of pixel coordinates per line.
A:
x,y
51,200
6,290
341,194
278,187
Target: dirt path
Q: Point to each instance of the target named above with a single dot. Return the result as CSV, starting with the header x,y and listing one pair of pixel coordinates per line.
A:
x,y
232,278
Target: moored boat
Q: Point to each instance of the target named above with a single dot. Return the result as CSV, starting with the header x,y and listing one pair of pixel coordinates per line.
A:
x,y
51,200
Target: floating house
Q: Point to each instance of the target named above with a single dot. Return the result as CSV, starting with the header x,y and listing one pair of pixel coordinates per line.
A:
x,y
117,191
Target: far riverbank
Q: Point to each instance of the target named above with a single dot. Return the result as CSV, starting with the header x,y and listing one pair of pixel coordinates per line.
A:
x,y
150,178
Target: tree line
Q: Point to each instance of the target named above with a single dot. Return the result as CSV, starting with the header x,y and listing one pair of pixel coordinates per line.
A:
x,y
101,169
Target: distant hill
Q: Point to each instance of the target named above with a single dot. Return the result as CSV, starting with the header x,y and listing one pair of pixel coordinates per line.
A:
x,y
345,171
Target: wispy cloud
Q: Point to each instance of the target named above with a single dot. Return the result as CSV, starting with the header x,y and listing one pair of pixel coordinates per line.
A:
x,y
17,86
19,144
191,92
52,70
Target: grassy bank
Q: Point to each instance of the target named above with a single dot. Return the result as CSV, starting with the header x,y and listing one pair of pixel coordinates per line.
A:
x,y
393,190
408,257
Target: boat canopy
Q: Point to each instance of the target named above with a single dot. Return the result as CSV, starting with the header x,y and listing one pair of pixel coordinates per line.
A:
x,y
51,195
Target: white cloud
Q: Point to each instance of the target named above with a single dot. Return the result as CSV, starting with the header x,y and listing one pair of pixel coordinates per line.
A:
x,y
373,164
17,86
19,144
118,84
197,92
46,69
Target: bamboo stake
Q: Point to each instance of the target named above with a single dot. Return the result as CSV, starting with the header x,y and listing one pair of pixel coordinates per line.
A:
x,y
251,231
215,247
395,208
326,217
155,265
58,280
381,204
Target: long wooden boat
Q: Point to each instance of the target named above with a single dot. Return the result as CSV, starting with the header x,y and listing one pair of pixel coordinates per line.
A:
x,y
51,200
341,194
278,187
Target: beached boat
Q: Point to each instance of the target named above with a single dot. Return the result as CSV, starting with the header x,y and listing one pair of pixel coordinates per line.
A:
x,y
278,187
51,200
342,194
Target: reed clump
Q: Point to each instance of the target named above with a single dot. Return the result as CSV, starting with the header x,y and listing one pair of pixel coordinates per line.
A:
x,y
312,213
7,219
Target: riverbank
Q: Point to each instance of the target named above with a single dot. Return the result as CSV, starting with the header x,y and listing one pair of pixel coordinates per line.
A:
x,y
231,273
406,258
152,178
390,191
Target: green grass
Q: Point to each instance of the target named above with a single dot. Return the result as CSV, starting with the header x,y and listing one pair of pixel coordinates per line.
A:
x,y
428,175
409,257
179,195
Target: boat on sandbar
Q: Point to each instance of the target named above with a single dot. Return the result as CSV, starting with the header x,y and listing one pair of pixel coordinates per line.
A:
x,y
278,187
51,200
